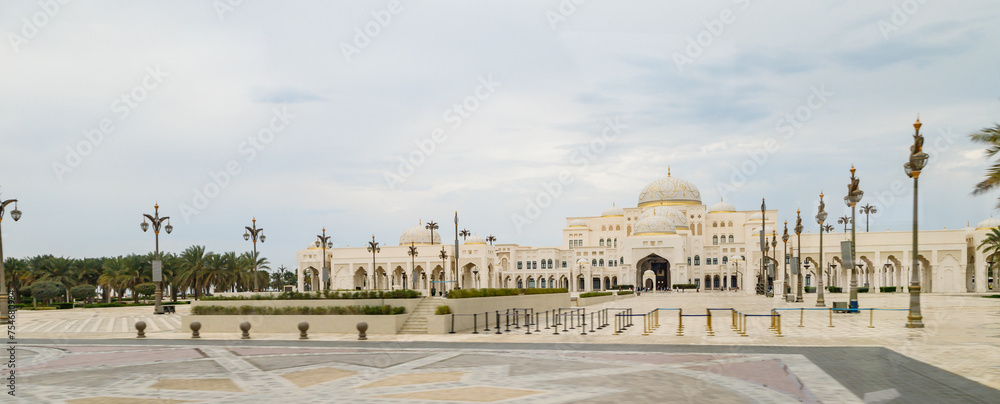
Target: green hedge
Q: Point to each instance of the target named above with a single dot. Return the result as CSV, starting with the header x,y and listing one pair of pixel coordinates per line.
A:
x,y
684,286
469,293
810,289
327,294
301,310
442,310
38,308
835,289
595,294
62,306
992,296
621,287
862,289
625,292
887,289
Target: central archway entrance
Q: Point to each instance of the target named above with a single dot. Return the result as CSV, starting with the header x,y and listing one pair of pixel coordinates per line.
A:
x,y
660,268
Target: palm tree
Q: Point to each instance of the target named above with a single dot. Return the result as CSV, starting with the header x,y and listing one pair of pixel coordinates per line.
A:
x,y
194,267
844,220
115,275
60,270
15,269
991,247
991,138
868,210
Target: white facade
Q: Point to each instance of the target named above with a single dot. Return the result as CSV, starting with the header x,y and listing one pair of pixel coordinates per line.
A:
x,y
669,238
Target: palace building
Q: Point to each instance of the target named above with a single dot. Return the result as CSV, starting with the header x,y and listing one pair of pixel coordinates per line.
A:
x,y
670,237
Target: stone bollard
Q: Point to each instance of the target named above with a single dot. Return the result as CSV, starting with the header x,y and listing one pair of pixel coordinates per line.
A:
x,y
141,327
303,327
362,327
195,326
245,326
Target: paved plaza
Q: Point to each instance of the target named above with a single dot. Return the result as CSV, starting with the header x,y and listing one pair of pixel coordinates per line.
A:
x,y
91,356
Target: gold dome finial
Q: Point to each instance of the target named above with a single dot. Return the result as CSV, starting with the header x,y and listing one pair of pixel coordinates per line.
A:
x,y
668,171
852,170
917,124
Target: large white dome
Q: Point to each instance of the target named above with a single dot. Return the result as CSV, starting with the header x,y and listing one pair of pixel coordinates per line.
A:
x,y
613,211
988,224
578,223
474,239
669,191
419,235
674,216
722,207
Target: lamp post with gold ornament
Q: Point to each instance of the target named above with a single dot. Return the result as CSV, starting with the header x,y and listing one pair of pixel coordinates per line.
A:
x,y
16,215
918,160
156,221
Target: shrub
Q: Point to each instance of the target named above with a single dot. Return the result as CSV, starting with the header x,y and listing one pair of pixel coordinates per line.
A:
x,y
103,305
327,294
992,296
595,294
145,289
887,289
16,306
685,286
862,289
625,292
810,289
46,290
24,292
83,292
543,291
63,306
301,310
621,287
469,293
834,289
442,310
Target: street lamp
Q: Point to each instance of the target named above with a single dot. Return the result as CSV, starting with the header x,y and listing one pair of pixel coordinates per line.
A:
x,y
784,242
253,233
374,249
918,159
432,226
281,281
820,218
157,264
457,277
464,233
491,239
16,215
854,195
763,249
413,266
444,268
323,241
774,259
475,273
798,240
868,210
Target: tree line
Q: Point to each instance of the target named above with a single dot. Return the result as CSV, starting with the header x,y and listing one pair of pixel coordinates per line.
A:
x,y
194,271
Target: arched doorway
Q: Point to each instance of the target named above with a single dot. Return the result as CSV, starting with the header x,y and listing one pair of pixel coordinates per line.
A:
x,y
649,284
660,268
360,277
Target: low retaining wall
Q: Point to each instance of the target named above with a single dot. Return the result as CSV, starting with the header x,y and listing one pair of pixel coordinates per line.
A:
x,y
409,304
588,301
377,324
479,305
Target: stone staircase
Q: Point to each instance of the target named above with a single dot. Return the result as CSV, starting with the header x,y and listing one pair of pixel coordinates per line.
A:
x,y
417,322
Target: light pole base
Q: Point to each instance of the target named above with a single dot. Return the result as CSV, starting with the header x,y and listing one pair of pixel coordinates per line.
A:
x,y
798,299
915,322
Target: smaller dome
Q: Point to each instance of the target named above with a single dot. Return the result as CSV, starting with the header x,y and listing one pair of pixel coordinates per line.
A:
x,y
578,223
654,224
419,234
582,261
722,207
757,217
988,224
677,219
613,211
474,239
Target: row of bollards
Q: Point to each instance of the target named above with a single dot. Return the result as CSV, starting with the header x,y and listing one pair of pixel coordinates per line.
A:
x,y
303,327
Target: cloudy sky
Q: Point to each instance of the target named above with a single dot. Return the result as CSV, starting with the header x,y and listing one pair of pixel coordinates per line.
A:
x,y
367,117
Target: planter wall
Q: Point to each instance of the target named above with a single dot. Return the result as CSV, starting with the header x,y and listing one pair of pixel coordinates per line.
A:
x,y
409,304
384,324
480,305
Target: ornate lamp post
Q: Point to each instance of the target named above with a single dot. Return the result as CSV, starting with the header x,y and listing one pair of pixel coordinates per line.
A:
x,y
281,282
475,273
798,240
413,257
918,159
854,195
763,250
457,276
431,226
157,265
444,268
491,239
868,210
374,249
820,218
16,215
805,265
253,233
464,233
322,240
784,242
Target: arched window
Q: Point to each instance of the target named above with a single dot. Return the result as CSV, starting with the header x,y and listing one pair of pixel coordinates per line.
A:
x,y
715,240
616,243
697,260
629,232
730,238
519,265
534,264
699,229
602,242
725,260
715,261
715,224
593,263
730,223
601,262
608,242
564,264
550,264
618,228
689,260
